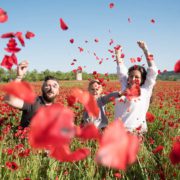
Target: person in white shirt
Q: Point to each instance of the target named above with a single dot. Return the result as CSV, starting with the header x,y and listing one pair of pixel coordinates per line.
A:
x,y
133,112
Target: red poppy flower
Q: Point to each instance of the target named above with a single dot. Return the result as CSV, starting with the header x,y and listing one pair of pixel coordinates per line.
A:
x,y
71,100
150,117
52,126
12,166
20,38
24,153
117,175
71,41
151,140
3,16
63,25
63,153
177,67
158,149
175,153
9,61
89,131
87,100
111,5
22,90
117,147
8,35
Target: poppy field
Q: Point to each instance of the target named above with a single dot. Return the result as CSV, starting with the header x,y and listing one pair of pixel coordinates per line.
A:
x,y
158,154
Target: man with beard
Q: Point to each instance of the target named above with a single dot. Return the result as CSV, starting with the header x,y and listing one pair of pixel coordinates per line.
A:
x,y
50,90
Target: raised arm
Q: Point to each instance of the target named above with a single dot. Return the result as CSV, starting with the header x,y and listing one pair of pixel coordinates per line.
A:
x,y
152,71
107,98
149,56
122,72
11,100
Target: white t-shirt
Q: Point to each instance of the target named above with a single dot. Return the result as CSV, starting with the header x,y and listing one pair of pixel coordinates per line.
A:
x,y
133,112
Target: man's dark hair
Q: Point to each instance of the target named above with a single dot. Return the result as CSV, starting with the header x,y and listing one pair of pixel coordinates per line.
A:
x,y
141,69
50,78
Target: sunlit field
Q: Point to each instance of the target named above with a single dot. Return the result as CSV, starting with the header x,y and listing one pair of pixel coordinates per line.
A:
x,y
18,160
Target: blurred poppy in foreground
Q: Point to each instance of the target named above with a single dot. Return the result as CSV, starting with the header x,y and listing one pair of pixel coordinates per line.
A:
x,y
9,61
52,126
64,154
117,148
89,131
21,90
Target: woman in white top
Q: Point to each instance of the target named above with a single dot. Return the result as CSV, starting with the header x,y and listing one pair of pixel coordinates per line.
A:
x,y
133,112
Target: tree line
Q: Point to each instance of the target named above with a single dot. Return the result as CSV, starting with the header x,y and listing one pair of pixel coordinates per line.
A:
x,y
34,75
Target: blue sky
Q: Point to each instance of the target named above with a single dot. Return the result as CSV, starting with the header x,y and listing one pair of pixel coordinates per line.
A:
x,y
90,19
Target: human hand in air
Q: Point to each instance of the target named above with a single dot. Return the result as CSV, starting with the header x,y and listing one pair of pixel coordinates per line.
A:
x,y
118,54
22,69
142,45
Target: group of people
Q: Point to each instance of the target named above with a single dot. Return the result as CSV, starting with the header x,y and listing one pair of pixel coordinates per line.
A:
x,y
131,112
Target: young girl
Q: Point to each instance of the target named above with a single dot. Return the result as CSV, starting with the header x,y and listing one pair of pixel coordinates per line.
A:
x,y
133,112
95,88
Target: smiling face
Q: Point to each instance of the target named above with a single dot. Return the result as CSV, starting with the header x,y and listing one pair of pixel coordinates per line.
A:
x,y
50,90
95,89
134,77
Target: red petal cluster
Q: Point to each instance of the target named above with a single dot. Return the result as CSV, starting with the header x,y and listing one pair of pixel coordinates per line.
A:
x,y
133,91
9,61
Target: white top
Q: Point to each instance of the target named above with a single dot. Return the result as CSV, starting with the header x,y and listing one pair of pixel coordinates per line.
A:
x,y
133,112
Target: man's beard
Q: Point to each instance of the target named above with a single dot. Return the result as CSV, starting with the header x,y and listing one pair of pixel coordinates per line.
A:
x,y
48,99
